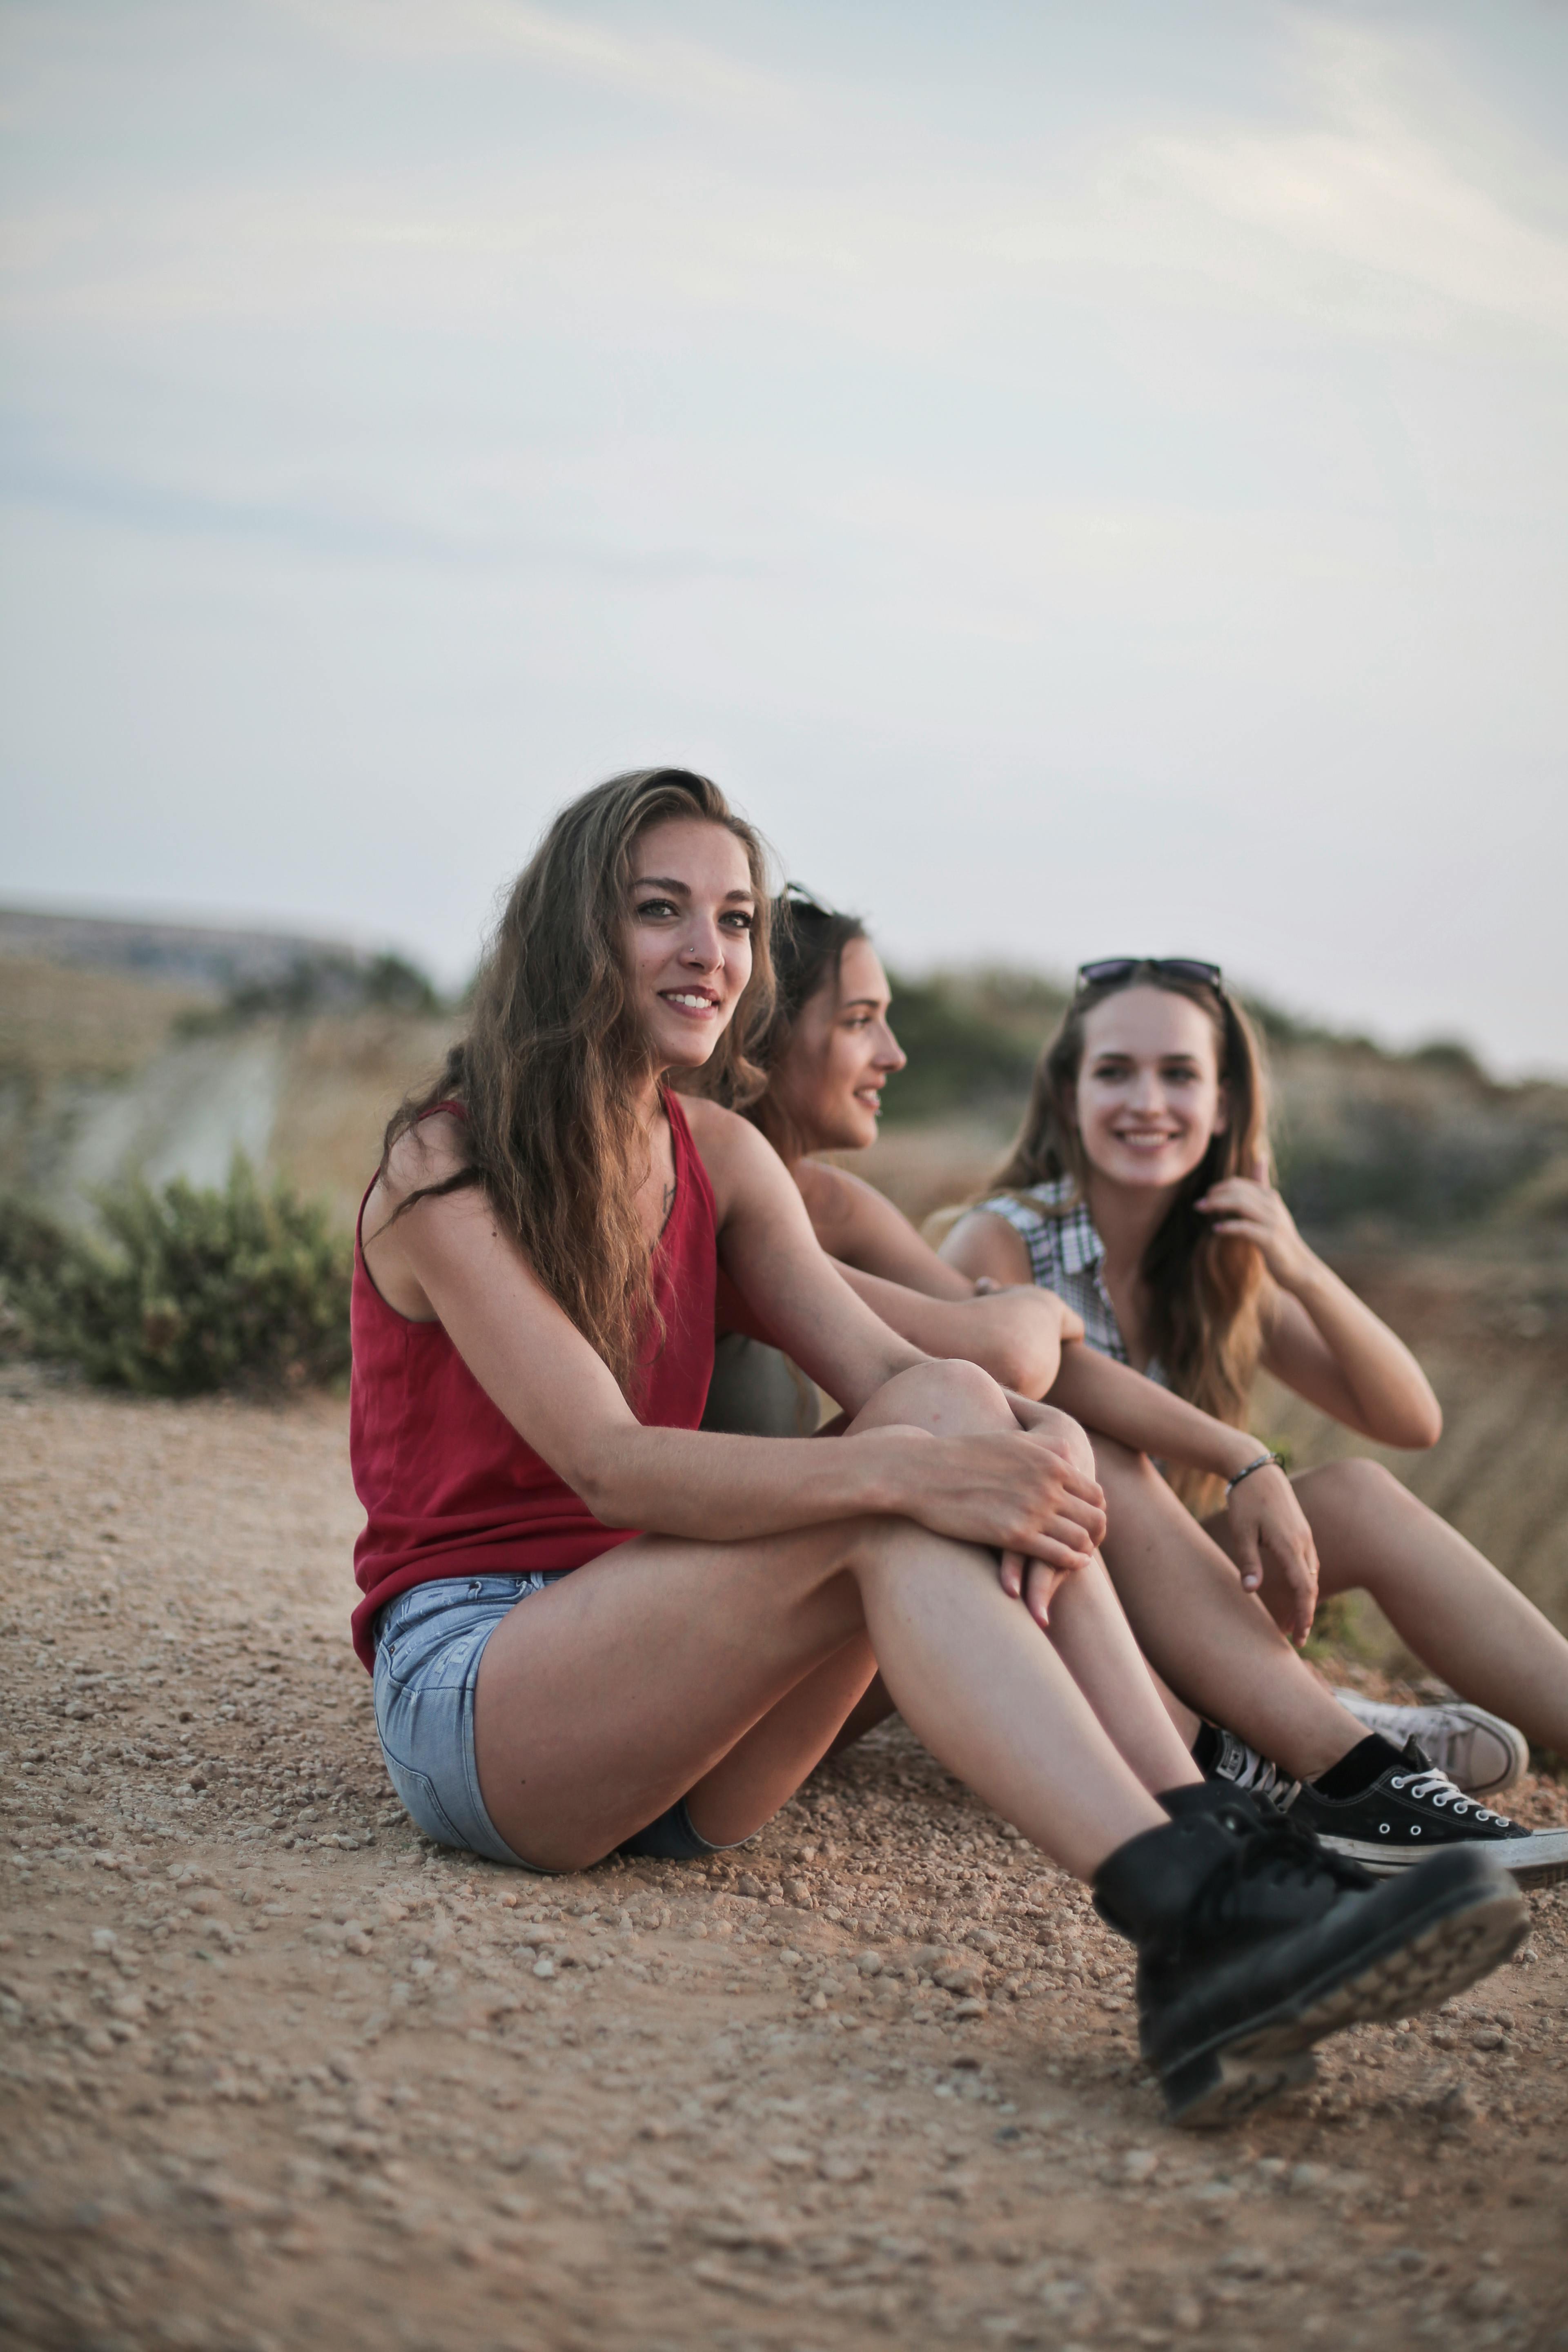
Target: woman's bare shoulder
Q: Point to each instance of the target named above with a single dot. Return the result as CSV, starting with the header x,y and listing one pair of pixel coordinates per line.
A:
x,y
429,1151
714,1126
982,1242
735,1154
828,1192
837,1199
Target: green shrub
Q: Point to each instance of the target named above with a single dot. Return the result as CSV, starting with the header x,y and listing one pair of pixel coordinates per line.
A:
x,y
32,1248
187,1289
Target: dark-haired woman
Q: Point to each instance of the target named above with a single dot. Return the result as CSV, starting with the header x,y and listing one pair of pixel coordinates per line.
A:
x,y
592,1625
829,1051
1140,1187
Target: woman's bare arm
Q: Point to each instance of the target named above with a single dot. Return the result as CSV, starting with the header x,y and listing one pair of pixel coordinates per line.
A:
x,y
1122,1404
984,1245
1321,1340
1328,1345
860,1227
1014,1335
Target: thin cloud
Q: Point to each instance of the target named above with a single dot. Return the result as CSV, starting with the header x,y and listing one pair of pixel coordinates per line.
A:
x,y
1372,191
678,73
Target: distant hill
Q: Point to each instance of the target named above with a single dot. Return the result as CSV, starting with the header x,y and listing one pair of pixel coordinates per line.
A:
x,y
204,958
245,974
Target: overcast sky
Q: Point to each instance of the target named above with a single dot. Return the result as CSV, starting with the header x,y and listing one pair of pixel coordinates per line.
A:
x,y
1086,478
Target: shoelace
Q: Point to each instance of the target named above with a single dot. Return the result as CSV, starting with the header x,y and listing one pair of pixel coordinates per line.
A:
x,y
1244,1768
1431,1785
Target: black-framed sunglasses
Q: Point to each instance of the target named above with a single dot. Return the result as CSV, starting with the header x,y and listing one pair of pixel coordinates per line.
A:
x,y
1113,969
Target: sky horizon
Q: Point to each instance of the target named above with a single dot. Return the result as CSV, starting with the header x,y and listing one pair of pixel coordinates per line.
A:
x,y
1083,482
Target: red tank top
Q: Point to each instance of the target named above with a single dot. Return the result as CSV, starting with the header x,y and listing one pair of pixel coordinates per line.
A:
x,y
448,1487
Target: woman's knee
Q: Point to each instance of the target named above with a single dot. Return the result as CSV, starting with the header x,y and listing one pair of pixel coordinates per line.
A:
x,y
1354,1485
1074,1440
1120,1468
949,1397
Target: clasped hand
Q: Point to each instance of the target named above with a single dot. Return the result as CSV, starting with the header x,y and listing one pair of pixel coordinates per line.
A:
x,y
1028,1495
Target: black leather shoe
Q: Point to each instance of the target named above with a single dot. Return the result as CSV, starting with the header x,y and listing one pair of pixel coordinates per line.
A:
x,y
1254,1943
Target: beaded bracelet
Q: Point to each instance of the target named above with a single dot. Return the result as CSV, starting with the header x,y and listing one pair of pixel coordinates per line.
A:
x,y
1262,1463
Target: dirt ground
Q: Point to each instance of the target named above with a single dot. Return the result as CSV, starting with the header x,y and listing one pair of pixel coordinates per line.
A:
x,y
276,2073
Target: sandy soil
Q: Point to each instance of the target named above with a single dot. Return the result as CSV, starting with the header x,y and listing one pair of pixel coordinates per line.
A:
x,y
276,2073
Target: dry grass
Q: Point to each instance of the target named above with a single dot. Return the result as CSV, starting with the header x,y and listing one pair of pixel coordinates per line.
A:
x,y
924,1169
344,1079
61,1023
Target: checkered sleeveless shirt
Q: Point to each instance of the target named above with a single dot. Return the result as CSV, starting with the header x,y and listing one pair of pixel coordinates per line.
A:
x,y
1066,1256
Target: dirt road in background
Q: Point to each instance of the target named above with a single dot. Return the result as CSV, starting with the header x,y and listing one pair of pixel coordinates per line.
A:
x,y
276,2074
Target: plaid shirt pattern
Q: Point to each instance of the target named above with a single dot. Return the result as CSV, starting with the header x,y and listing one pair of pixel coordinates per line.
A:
x,y
1066,1256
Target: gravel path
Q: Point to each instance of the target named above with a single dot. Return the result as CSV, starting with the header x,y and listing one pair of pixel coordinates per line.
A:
x,y
275,2073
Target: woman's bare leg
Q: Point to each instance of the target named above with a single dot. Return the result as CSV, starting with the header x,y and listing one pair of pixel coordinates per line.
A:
x,y
1095,1643
1215,1646
744,1789
1186,1719
874,1706
1444,1600
639,1679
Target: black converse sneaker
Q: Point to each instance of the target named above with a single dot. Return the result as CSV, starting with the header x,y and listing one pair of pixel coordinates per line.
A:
x,y
1387,1808
1254,1943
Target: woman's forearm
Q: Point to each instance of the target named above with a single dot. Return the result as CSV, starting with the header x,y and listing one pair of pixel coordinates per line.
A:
x,y
1122,1404
1013,1335
696,1483
1320,1338
1383,1392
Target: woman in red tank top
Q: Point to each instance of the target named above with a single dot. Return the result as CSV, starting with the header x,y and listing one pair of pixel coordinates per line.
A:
x,y
593,1624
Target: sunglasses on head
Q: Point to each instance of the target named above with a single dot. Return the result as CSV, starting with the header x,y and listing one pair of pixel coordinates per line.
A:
x,y
1115,969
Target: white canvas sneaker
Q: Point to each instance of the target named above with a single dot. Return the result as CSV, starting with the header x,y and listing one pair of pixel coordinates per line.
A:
x,y
1478,1752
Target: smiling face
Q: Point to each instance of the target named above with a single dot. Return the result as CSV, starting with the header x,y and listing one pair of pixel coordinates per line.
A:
x,y
841,1053
1149,1098
689,936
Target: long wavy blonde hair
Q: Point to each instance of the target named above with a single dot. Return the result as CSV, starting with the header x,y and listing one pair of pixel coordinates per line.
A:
x,y
1204,1290
548,1071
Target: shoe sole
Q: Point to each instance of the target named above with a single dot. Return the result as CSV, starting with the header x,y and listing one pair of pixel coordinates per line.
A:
x,y
1507,1736
1413,1971
1538,1860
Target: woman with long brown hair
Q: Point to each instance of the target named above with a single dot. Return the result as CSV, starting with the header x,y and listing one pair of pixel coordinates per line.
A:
x,y
1140,1188
594,1625
829,1051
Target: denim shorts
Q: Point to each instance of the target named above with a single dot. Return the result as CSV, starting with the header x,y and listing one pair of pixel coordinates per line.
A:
x,y
428,1645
